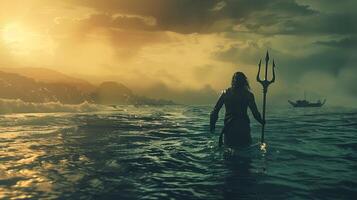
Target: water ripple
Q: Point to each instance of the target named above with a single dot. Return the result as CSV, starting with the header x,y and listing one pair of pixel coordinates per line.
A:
x,y
168,153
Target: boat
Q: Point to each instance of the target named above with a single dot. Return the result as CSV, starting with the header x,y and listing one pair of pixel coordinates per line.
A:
x,y
305,103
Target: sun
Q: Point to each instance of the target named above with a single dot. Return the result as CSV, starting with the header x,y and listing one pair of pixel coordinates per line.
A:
x,y
13,33
22,40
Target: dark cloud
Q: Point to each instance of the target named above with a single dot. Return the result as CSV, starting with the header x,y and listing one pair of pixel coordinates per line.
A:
x,y
331,57
201,16
327,30
127,34
345,6
314,24
338,23
120,22
346,43
328,60
274,17
177,15
334,59
245,54
290,8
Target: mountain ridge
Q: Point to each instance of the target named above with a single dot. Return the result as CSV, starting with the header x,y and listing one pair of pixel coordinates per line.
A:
x,y
66,89
49,76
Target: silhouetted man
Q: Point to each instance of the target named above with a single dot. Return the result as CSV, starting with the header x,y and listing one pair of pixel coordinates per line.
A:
x,y
236,99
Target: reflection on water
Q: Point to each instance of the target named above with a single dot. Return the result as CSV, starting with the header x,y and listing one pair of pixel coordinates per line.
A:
x,y
168,153
239,183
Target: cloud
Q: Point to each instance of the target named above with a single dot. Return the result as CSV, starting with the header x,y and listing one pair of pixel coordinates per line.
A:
x,y
316,56
314,24
169,14
123,36
120,22
345,43
183,45
322,68
204,95
246,52
330,6
198,16
337,23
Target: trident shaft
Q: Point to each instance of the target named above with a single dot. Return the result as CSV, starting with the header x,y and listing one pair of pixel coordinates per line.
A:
x,y
265,83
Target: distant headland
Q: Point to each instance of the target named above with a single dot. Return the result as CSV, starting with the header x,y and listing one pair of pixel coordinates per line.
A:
x,y
40,85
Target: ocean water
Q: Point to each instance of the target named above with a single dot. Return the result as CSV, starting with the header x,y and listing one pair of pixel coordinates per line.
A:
x,y
167,152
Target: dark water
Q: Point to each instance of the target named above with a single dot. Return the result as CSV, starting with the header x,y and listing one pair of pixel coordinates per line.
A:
x,y
168,153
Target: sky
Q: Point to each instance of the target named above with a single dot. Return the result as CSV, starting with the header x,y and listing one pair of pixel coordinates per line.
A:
x,y
188,50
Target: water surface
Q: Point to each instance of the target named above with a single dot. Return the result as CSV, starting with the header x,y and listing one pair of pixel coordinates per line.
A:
x,y
168,153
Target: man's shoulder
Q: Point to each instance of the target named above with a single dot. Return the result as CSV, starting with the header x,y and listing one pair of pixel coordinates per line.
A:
x,y
226,91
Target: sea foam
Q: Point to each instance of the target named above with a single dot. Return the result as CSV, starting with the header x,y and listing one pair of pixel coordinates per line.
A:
x,y
8,106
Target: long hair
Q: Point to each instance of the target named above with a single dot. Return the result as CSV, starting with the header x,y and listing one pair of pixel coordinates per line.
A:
x,y
239,80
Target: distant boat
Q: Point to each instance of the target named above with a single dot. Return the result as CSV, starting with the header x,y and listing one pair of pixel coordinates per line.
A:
x,y
305,103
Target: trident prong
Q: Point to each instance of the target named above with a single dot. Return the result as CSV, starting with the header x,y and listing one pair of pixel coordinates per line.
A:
x,y
273,79
265,83
260,64
266,66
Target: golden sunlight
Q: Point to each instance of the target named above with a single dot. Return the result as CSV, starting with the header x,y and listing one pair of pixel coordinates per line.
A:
x,y
13,33
22,41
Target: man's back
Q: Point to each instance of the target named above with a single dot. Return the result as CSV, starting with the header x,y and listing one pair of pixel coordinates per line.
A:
x,y
236,99
236,102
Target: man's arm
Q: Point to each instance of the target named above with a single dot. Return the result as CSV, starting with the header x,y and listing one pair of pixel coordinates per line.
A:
x,y
254,109
214,113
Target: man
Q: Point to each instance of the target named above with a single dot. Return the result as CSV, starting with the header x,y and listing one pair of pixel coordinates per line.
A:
x,y
236,99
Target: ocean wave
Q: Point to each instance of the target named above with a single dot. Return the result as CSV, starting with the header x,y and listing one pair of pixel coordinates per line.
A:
x,y
8,106
167,152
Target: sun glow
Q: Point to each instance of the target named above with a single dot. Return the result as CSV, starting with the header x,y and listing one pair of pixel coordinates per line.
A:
x,y
17,39
23,41
13,33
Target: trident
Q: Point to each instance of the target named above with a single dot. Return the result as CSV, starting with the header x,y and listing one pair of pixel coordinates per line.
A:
x,y
265,83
